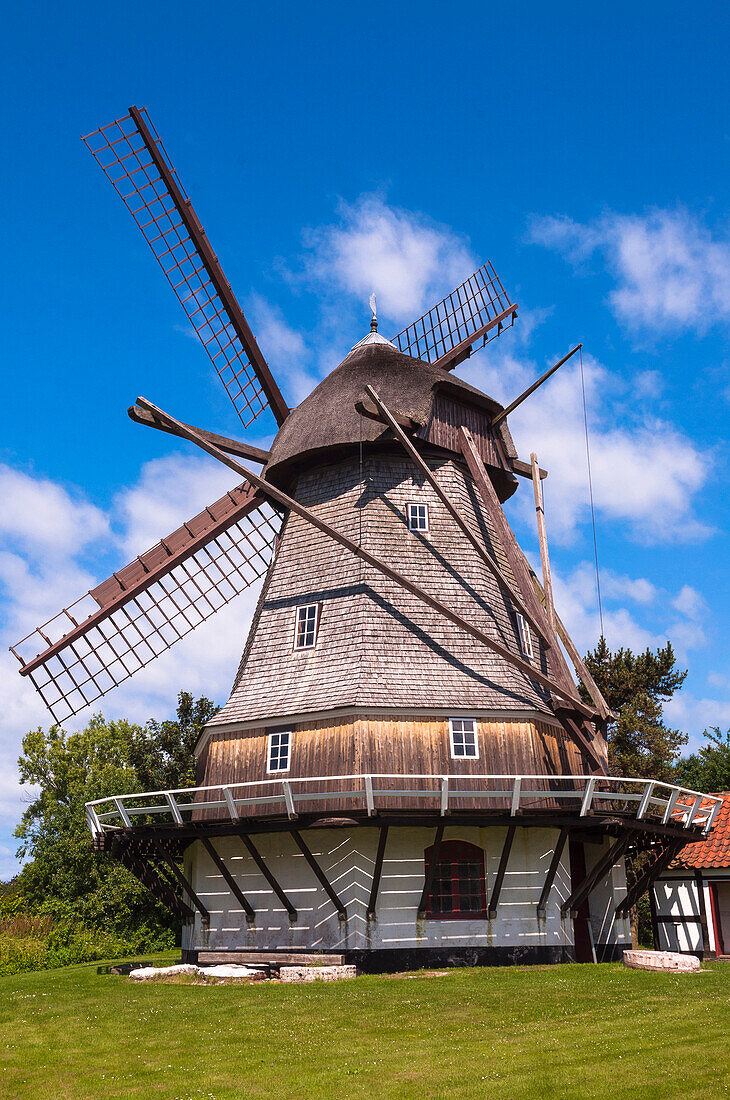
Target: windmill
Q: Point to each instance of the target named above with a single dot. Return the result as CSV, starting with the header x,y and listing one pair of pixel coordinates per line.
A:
x,y
403,670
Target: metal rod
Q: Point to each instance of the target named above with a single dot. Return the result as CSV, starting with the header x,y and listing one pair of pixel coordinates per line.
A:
x,y
288,502
531,389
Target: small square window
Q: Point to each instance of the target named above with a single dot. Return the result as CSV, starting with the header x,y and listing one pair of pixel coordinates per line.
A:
x,y
307,622
464,743
279,754
525,637
418,517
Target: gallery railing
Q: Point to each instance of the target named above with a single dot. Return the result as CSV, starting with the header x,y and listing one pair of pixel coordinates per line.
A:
x,y
637,798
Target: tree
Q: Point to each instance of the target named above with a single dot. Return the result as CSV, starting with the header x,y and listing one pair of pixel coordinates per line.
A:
x,y
636,686
708,769
64,875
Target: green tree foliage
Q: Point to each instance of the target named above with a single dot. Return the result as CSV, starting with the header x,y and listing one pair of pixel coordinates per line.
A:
x,y
64,876
636,686
708,769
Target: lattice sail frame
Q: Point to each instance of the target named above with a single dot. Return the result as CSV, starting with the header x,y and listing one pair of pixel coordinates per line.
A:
x,y
479,307
164,215
106,636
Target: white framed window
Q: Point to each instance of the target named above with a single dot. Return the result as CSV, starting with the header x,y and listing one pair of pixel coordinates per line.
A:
x,y
278,756
525,636
464,738
306,624
417,517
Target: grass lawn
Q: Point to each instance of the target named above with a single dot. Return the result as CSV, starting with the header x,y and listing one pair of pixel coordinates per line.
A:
x,y
562,1031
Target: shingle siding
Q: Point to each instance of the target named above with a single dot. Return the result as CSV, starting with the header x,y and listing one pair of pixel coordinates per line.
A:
x,y
377,644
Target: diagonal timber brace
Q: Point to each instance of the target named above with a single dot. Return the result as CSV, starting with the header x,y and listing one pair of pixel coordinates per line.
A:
x,y
320,876
486,557
229,879
594,876
647,878
156,885
282,498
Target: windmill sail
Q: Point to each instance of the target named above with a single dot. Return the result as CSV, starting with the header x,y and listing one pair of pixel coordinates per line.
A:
x,y
140,611
134,159
479,307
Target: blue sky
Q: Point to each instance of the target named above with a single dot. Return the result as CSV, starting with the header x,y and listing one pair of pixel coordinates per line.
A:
x,y
338,149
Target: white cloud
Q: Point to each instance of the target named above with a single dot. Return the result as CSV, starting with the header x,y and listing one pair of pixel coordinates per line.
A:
x,y
41,515
646,473
672,272
690,602
637,589
693,715
407,259
286,350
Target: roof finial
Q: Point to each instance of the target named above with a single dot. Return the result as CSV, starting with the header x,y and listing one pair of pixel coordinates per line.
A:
x,y
374,319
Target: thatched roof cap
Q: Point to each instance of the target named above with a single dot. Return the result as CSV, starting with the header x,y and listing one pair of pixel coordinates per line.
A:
x,y
327,421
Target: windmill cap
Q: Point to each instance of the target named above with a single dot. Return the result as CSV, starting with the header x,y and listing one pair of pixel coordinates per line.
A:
x,y
327,425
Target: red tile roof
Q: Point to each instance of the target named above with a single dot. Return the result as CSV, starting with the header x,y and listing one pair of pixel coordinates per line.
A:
x,y
714,851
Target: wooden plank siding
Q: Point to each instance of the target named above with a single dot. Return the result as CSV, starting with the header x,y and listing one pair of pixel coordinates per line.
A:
x,y
448,415
397,744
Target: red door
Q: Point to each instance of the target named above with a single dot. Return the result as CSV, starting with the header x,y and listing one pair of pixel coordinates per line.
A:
x,y
581,935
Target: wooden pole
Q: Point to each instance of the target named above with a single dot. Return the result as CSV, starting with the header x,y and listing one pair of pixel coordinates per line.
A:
x,y
486,557
377,870
299,509
547,583
258,860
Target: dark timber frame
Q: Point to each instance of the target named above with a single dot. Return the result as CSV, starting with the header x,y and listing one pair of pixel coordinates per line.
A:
x,y
594,876
431,869
320,875
377,870
552,870
157,886
258,860
501,870
183,881
647,877
229,879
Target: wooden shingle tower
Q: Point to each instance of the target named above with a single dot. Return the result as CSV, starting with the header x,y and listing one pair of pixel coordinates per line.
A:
x,y
405,769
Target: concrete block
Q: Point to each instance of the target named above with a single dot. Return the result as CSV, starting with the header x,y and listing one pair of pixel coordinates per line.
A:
x,y
661,960
316,973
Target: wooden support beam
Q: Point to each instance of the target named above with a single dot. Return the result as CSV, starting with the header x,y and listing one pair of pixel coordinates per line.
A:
x,y
531,389
448,613
501,870
230,446
547,583
460,522
320,875
431,870
594,876
552,870
647,877
256,857
578,663
229,879
524,469
183,881
159,889
377,870
584,742
706,950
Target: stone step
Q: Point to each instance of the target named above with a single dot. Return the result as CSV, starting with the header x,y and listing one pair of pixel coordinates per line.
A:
x,y
272,958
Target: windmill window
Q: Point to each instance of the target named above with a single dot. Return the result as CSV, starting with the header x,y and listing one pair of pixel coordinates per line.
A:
x,y
279,754
307,623
464,740
418,517
525,637
458,889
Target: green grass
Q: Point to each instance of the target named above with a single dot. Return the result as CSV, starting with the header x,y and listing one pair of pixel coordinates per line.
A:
x,y
563,1031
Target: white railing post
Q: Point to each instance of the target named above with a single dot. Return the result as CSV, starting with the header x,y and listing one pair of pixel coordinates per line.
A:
x,y
670,805
587,797
288,799
516,788
231,805
695,807
174,808
444,795
123,813
369,800
93,821
712,815
644,804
